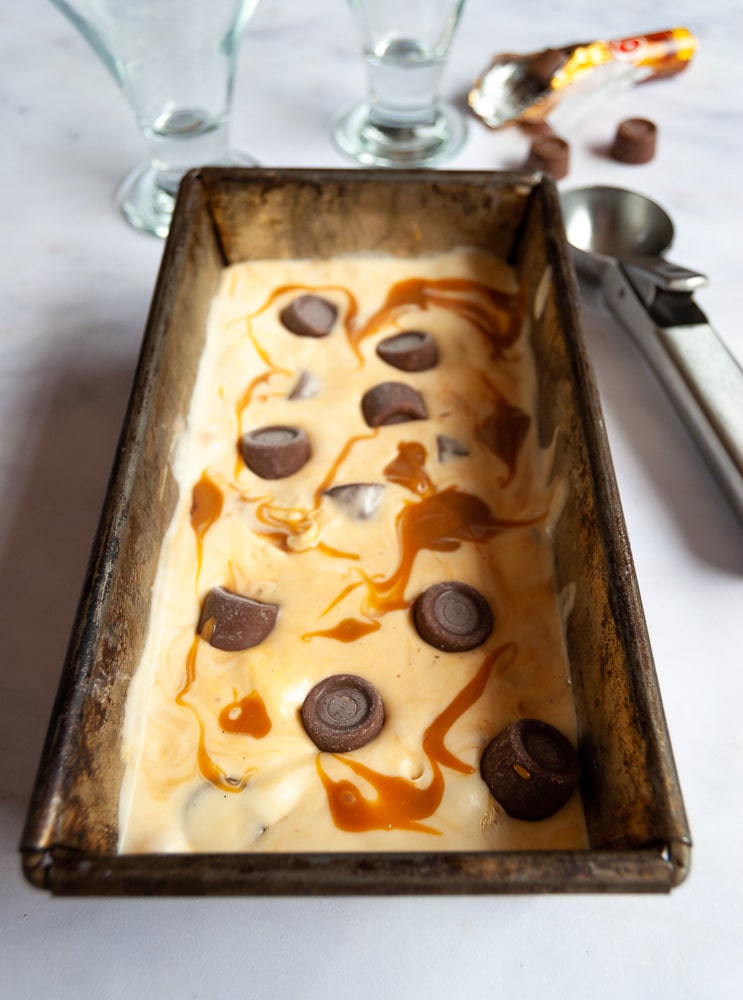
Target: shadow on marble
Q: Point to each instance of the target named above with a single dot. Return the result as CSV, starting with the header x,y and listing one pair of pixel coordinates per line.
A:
x,y
675,469
601,149
65,459
459,100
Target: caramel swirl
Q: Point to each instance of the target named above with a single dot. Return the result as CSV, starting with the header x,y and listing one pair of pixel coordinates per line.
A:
x,y
248,716
409,469
401,804
489,311
209,768
440,522
347,630
206,507
285,522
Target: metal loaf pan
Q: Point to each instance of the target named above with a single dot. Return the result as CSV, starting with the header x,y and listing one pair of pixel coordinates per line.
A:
x,y
639,840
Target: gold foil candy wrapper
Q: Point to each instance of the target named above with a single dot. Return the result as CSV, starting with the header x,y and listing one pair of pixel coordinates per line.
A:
x,y
529,88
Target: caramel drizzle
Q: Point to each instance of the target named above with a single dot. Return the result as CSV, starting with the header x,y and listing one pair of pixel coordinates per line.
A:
x,y
348,630
247,396
400,804
273,369
328,550
206,506
333,470
440,522
207,765
284,522
409,469
493,316
247,715
339,597
495,319
351,309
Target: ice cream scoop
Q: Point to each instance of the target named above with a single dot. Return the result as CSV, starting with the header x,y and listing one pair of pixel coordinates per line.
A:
x,y
618,238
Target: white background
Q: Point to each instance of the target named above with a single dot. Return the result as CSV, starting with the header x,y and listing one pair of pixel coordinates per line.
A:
x,y
76,287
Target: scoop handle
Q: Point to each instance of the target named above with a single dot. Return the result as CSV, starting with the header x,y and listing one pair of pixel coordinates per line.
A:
x,y
702,378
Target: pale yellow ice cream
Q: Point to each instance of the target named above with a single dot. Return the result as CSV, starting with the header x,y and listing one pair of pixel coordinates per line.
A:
x,y
216,755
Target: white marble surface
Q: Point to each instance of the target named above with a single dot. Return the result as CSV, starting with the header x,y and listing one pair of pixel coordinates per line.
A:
x,y
76,288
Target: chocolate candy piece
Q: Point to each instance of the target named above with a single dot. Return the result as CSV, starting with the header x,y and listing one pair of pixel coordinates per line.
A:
x,y
309,316
306,387
531,769
232,622
634,141
358,500
275,452
551,154
545,64
411,351
448,447
453,617
536,128
392,403
342,713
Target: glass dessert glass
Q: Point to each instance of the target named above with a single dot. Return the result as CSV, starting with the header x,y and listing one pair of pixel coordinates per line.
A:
x,y
403,123
174,61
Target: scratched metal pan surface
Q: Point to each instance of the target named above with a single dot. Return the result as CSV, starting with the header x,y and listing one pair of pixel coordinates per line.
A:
x,y
638,835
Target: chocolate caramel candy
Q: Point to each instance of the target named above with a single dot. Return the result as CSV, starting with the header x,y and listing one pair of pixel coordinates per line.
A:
x,y
452,617
550,154
309,316
634,141
342,713
358,500
545,64
306,387
531,768
536,128
392,403
275,452
232,622
411,351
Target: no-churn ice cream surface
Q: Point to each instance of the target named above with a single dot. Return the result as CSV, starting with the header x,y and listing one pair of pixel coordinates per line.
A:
x,y
390,470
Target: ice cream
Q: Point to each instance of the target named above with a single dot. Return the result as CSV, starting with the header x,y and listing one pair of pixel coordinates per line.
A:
x,y
362,430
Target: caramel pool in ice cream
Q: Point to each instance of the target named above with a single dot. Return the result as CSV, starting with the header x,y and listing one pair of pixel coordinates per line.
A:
x,y
372,512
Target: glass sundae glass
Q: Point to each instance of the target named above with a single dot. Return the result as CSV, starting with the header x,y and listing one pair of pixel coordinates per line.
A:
x,y
174,61
402,123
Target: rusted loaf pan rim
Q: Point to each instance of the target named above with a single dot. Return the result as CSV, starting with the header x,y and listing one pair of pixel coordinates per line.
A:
x,y
638,834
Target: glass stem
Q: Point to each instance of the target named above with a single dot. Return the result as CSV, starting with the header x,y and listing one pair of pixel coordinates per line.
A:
x,y
182,139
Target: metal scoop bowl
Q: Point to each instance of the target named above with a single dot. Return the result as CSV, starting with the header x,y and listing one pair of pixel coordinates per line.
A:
x,y
618,239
